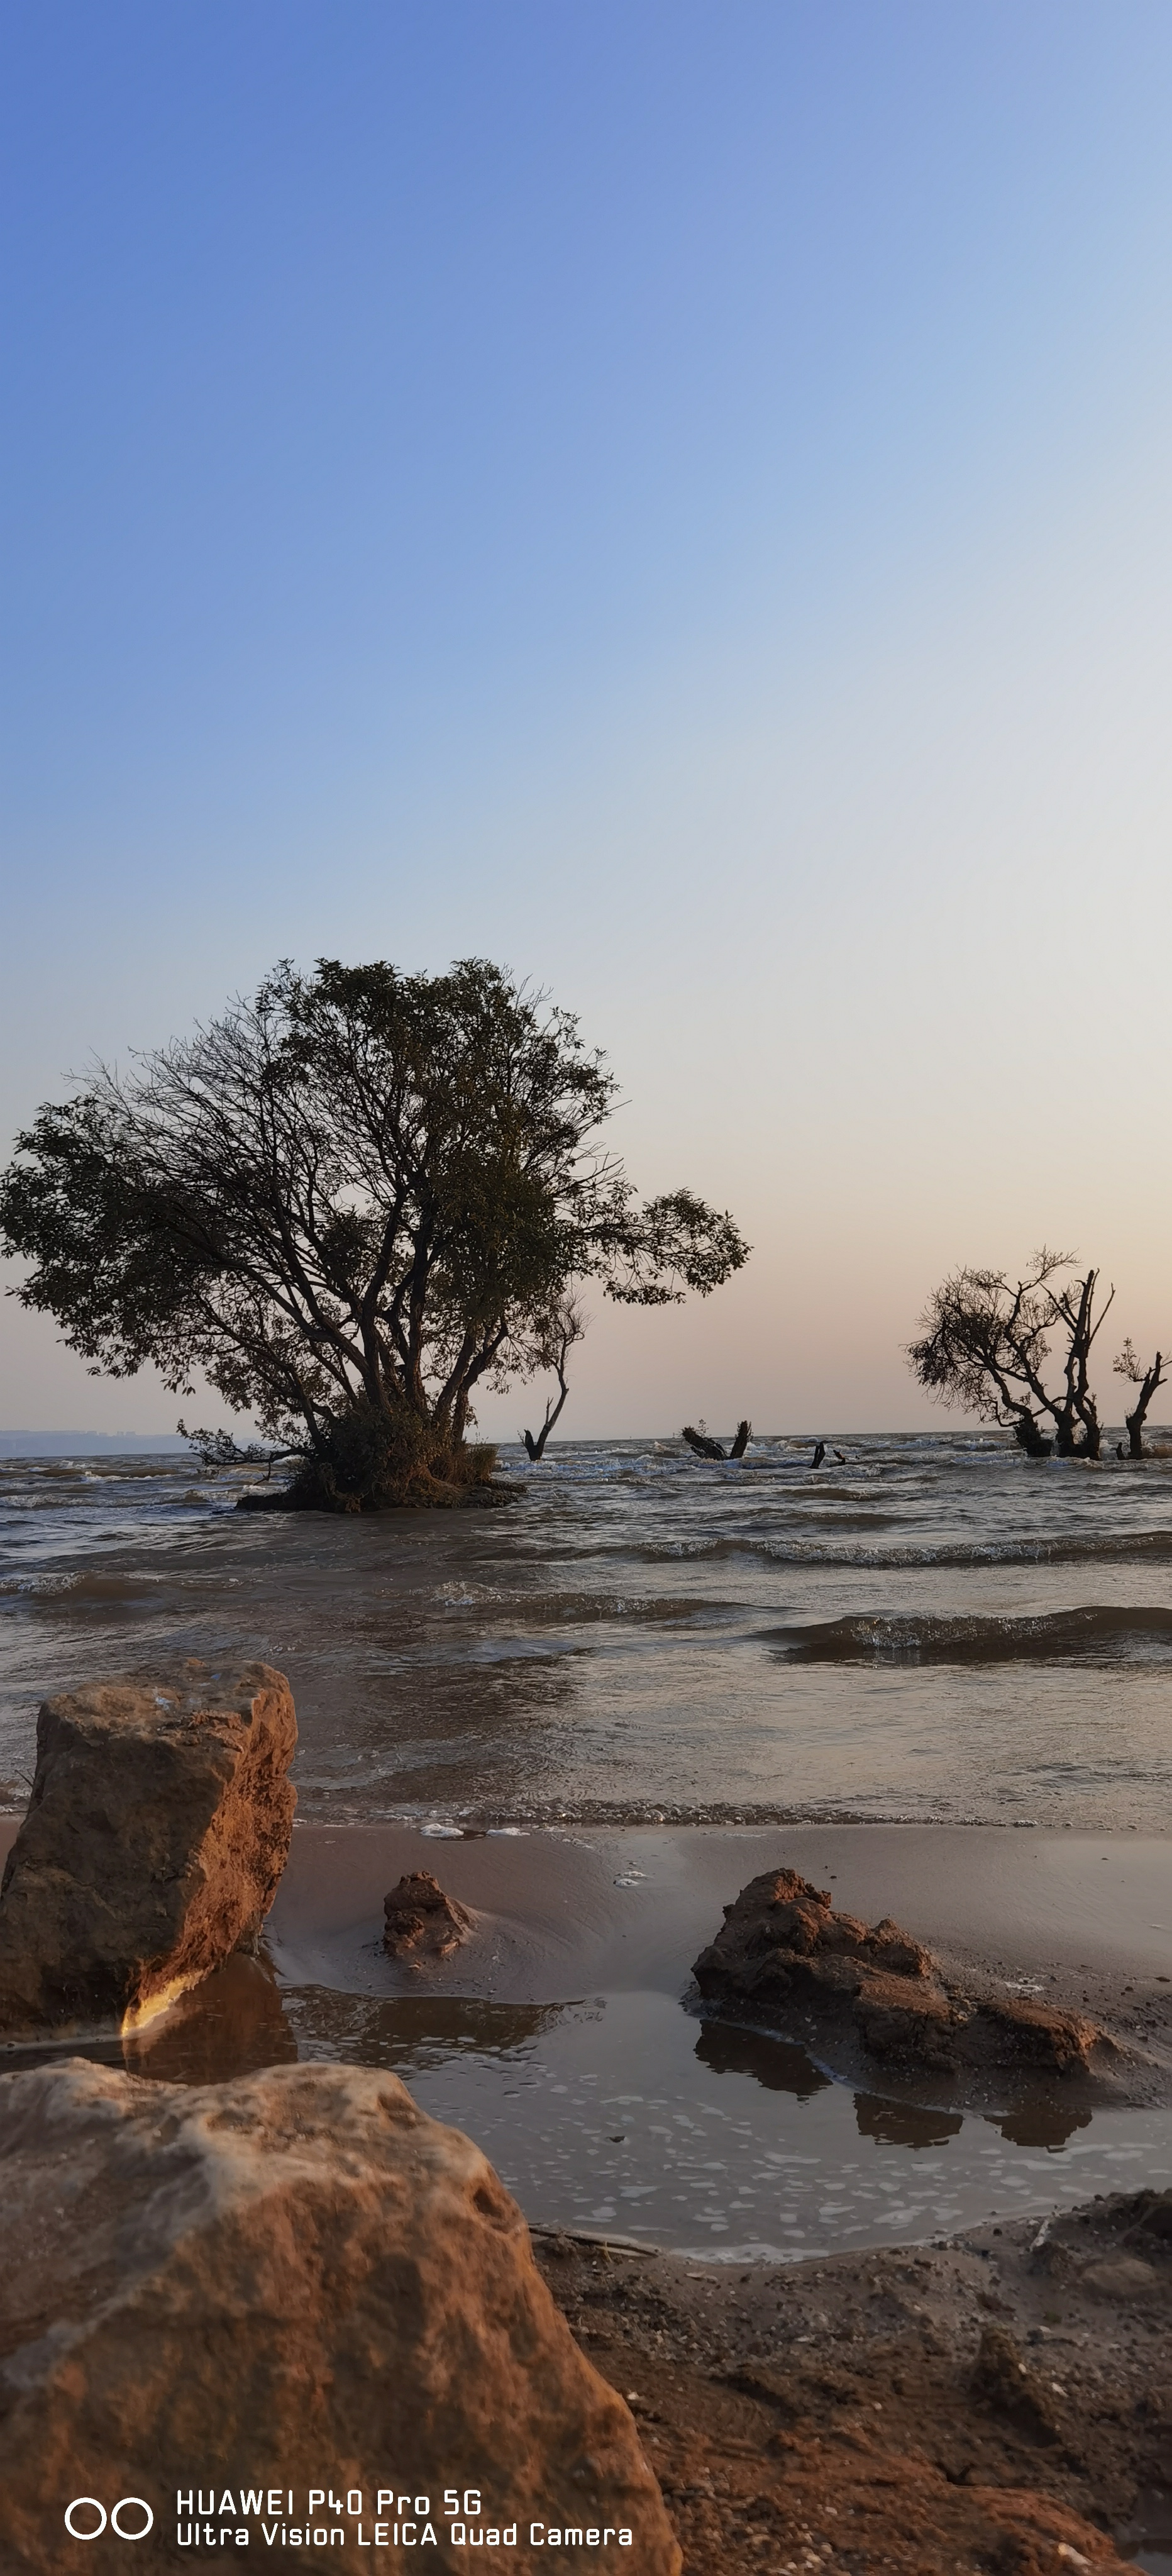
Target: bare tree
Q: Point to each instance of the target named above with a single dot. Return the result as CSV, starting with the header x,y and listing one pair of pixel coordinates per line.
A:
x,y
698,1439
567,1327
985,1342
705,1447
1130,1366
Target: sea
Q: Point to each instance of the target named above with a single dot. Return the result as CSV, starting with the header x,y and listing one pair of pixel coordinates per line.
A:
x,y
924,1627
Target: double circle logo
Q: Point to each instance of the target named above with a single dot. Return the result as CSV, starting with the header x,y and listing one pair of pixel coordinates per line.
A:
x,y
90,2505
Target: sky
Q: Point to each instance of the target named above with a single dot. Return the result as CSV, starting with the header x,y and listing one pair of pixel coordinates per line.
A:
x,y
672,495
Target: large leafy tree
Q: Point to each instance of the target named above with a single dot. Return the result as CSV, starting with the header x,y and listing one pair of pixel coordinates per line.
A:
x,y
349,1202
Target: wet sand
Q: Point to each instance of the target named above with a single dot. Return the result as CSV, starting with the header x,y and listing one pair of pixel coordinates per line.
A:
x,y
1086,1917
560,1917
632,1905
837,2416
819,2412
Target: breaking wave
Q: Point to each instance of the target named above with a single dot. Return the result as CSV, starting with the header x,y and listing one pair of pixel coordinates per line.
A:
x,y
77,1587
1120,1547
1108,1631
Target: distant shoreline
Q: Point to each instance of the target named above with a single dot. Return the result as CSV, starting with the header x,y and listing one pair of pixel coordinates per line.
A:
x,y
169,1444
92,1444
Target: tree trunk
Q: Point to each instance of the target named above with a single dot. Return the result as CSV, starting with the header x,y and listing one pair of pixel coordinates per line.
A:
x,y
1069,1444
1029,1438
1065,1443
535,1447
1135,1420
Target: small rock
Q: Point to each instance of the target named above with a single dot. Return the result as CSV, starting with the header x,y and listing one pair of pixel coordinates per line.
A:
x,y
904,2018
1121,2276
423,1921
1002,2380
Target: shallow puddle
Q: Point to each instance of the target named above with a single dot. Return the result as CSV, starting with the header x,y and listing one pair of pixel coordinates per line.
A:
x,y
624,2111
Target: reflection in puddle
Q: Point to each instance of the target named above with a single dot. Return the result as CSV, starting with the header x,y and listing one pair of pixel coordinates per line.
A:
x,y
779,2064
1041,2122
716,2140
904,2124
231,2025
416,2033
618,2111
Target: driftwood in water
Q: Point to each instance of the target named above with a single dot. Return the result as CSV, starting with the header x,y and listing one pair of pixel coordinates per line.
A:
x,y
706,1448
700,1442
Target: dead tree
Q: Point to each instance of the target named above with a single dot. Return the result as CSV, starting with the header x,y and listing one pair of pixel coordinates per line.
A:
x,y
985,1343
707,1448
700,1442
569,1324
1128,1365
1077,1417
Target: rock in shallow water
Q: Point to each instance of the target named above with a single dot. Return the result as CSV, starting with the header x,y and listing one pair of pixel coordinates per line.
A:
x,y
289,2281
156,1834
783,1949
422,1920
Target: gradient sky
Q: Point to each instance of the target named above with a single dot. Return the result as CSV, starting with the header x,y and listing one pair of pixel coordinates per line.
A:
x,y
672,497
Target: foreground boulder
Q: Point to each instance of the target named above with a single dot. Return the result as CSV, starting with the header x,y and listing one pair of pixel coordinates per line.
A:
x,y
296,2281
421,1920
784,1955
155,1838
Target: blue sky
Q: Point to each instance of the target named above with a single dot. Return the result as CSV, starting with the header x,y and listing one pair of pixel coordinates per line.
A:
x,y
671,497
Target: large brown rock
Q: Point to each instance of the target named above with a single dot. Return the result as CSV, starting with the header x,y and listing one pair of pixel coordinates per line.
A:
x,y
155,1837
293,2281
783,1954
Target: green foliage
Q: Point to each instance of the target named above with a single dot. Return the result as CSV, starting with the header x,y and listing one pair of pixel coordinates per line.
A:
x,y
348,1202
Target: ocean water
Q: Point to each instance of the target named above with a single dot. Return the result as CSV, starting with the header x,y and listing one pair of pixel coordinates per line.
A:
x,y
930,1627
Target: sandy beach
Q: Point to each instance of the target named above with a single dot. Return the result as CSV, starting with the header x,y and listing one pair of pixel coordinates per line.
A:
x,y
801,2405
831,2411
972,2406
